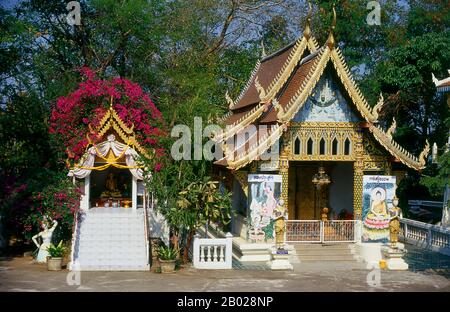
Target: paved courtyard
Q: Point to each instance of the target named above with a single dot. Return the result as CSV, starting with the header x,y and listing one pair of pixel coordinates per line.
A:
x,y
21,274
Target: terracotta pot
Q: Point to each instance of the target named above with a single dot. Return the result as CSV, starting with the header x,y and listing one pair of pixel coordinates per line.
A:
x,y
167,266
54,264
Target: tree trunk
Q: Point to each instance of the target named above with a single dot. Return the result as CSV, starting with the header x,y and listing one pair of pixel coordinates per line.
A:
x,y
188,246
176,244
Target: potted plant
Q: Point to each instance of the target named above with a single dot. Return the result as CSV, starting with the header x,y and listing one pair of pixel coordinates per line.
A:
x,y
167,259
54,261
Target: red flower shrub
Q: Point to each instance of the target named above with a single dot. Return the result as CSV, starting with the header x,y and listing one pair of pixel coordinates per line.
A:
x,y
72,114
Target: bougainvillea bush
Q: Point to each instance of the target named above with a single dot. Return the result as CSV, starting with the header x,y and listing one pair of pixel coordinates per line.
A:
x,y
71,118
72,114
59,201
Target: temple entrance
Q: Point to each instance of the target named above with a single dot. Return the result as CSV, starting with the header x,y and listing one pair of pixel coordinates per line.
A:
x,y
306,201
111,188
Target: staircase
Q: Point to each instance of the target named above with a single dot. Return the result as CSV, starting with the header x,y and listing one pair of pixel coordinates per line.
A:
x,y
324,252
111,239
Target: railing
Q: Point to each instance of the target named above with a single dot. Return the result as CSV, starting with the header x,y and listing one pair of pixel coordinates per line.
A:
x,y
426,235
303,231
313,231
213,253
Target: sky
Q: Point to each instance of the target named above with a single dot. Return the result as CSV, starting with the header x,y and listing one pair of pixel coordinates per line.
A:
x,y
9,4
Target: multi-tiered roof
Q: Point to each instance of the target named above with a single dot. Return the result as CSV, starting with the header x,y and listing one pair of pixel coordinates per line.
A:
x,y
278,88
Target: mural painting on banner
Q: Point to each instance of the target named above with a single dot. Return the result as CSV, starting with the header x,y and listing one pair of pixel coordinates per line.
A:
x,y
264,198
378,193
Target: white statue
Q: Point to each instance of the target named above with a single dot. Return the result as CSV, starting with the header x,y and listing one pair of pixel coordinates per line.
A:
x,y
46,236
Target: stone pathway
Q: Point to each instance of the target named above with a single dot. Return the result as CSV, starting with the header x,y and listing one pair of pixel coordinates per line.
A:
x,y
20,274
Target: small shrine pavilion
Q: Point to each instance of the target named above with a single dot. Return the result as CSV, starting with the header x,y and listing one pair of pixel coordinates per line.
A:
x,y
110,170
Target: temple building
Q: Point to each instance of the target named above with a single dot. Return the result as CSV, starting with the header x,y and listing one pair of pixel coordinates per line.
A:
x,y
302,128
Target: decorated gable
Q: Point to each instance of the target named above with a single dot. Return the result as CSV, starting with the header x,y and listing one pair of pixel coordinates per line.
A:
x,y
326,104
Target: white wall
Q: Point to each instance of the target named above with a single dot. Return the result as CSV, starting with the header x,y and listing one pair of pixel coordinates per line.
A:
x,y
341,187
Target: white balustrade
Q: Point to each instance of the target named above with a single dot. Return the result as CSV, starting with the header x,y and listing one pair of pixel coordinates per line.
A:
x,y
427,235
213,253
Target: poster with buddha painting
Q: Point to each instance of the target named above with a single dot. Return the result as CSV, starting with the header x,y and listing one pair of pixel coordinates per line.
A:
x,y
378,193
264,199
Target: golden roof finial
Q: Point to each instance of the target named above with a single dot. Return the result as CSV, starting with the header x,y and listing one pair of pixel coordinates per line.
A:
x,y
111,103
307,31
331,42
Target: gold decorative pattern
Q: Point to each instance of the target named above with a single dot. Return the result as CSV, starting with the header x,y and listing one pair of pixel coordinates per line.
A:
x,y
377,108
287,69
229,100
242,178
375,165
249,82
257,149
399,152
317,131
260,89
392,128
111,120
307,86
350,85
243,122
358,173
284,171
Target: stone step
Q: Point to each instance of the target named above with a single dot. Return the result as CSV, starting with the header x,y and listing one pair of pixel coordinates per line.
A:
x,y
319,254
111,239
92,267
321,246
326,258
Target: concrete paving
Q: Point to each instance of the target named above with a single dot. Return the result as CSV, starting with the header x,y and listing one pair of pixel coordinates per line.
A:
x,y
21,274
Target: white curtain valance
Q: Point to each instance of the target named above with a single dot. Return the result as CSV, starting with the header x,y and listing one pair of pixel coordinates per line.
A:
x,y
102,150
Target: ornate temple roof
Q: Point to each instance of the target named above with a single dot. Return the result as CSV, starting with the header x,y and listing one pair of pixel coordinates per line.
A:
x,y
112,121
278,88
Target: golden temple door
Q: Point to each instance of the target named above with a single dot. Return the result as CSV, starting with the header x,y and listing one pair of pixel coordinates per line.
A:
x,y
303,198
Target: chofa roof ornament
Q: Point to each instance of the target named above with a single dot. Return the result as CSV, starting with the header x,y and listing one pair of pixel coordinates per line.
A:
x,y
331,41
307,31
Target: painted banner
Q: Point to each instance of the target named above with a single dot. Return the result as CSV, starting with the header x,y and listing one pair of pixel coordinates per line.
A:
x,y
378,192
264,197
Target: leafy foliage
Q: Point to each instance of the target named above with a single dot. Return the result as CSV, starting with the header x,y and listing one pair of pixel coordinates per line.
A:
x,y
167,253
56,251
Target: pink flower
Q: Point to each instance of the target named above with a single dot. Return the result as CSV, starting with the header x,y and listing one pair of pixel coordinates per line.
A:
x,y
158,167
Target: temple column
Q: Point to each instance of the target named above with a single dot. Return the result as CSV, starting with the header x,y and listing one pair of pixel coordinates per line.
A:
x,y
358,173
284,171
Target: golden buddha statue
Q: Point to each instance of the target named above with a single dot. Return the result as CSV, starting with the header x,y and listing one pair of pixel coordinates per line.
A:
x,y
111,183
111,187
394,223
280,215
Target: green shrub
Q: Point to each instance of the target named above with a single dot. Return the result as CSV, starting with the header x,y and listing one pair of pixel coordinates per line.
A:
x,y
167,253
56,251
